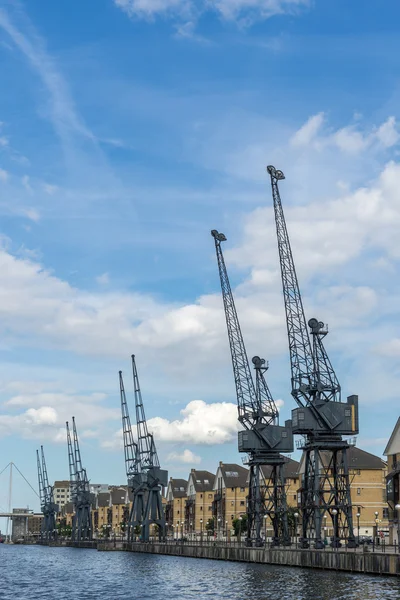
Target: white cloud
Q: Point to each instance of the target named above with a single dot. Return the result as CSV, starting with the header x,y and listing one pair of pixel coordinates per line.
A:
x,y
245,11
103,279
388,133
350,139
308,131
186,457
46,412
3,175
201,423
3,141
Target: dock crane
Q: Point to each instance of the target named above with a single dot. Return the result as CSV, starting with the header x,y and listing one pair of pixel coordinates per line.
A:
x,y
132,465
321,417
82,528
48,506
145,477
263,439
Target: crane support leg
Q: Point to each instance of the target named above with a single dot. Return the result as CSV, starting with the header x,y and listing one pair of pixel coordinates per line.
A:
x,y
326,502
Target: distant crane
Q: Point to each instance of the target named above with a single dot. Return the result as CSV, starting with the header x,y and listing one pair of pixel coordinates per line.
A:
x,y
321,417
145,476
263,439
132,465
82,528
49,508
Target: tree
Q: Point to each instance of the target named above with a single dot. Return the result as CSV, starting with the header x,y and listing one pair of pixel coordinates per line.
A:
x,y
210,527
291,520
240,525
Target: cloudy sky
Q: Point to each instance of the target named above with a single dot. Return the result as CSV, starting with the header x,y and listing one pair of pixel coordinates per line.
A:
x,y
130,129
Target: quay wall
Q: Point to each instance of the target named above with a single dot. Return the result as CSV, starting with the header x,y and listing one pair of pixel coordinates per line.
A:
x,y
372,563
356,562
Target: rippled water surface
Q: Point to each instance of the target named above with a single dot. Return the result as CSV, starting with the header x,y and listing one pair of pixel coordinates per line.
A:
x,y
69,573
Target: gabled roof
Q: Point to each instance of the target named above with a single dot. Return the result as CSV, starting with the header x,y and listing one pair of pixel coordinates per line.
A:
x,y
177,487
393,445
233,475
118,496
290,469
103,499
202,480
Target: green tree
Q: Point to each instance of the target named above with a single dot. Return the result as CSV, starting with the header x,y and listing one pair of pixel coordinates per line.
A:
x,y
240,525
291,520
210,525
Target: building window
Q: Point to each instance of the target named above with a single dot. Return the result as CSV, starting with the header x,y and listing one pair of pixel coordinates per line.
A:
x,y
294,496
210,508
242,489
358,491
232,502
385,513
210,495
201,508
233,489
242,503
177,512
201,495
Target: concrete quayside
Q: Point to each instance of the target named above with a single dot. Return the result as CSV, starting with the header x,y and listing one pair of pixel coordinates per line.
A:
x,y
355,561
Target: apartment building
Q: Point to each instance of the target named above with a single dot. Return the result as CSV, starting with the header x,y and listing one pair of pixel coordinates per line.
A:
x,y
392,452
230,495
199,503
175,502
61,493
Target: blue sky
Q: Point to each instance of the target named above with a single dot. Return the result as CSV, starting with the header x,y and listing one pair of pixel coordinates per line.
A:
x,y
129,129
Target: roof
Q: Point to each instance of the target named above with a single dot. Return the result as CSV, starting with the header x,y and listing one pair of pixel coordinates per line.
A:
x,y
393,445
359,459
203,481
234,475
178,487
103,499
118,496
62,484
290,469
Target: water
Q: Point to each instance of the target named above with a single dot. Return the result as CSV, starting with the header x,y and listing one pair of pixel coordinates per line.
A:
x,y
40,573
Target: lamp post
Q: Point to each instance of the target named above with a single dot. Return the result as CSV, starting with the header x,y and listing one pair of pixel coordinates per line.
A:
x,y
201,531
296,516
358,515
335,541
226,530
177,530
376,523
265,529
219,527
397,507
240,528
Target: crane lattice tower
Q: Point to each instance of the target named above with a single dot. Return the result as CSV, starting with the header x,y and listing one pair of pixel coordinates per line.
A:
x,y
321,417
263,439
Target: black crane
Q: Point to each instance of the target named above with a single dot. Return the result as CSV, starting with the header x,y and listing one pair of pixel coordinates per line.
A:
x,y
263,438
132,465
152,475
145,477
80,491
321,417
49,508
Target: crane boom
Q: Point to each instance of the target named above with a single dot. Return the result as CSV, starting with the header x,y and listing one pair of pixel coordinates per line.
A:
x,y
301,356
248,409
40,481
147,449
132,463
